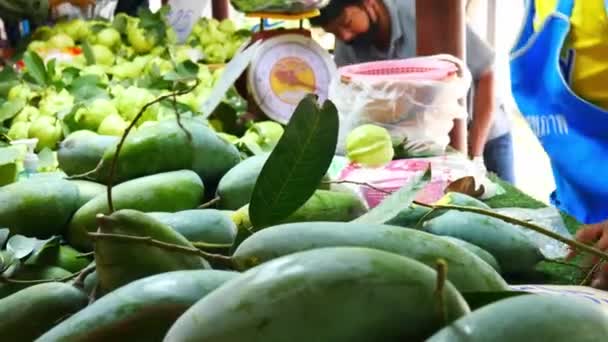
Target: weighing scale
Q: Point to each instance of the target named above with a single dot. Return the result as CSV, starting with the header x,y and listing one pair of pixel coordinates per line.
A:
x,y
277,68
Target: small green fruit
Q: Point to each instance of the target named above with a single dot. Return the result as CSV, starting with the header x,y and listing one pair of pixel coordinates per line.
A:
x,y
113,124
370,145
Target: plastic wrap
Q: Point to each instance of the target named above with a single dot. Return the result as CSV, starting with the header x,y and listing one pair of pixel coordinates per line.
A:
x,y
278,6
416,99
392,177
548,218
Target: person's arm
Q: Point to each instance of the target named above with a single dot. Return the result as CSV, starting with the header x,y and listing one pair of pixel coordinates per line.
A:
x,y
480,60
483,114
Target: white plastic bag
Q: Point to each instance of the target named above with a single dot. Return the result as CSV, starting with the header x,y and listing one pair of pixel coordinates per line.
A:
x,y
416,99
548,218
375,184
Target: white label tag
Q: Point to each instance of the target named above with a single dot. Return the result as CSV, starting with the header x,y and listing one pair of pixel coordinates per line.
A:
x,y
184,14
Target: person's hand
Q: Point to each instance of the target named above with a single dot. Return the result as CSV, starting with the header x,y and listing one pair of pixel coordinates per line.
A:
x,y
596,234
480,165
78,3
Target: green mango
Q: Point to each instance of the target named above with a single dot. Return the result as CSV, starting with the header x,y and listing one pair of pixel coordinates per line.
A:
x,y
170,192
29,313
328,294
82,151
119,262
511,247
32,272
235,188
38,208
143,310
88,190
167,147
323,205
201,225
466,271
531,318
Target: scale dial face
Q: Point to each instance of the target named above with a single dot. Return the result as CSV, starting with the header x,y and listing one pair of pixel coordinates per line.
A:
x,y
285,70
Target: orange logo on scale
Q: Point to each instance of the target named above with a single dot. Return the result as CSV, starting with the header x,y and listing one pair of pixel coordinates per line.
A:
x,y
291,79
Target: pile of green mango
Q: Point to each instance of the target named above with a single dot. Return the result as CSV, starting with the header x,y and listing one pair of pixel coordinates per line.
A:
x,y
159,267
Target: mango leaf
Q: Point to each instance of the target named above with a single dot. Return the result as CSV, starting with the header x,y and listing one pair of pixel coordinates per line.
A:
x,y
34,66
89,56
396,202
9,109
477,300
296,166
21,246
4,232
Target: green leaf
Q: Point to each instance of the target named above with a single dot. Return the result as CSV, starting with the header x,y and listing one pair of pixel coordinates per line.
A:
x,y
21,246
96,28
477,300
86,88
9,155
88,53
184,72
9,109
227,115
35,68
396,202
68,120
120,23
296,166
46,158
4,233
8,79
45,253
153,23
8,263
69,75
51,67
187,69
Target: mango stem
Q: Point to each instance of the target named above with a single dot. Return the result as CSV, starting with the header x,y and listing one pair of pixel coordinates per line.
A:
x,y
442,274
209,204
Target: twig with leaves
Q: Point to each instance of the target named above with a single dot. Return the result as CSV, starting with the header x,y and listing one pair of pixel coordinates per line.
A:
x,y
216,258
572,243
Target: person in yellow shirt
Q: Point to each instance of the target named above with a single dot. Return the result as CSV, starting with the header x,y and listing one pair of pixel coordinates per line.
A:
x,y
585,54
559,73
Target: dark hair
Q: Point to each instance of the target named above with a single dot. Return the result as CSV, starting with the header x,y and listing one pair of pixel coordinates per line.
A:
x,y
332,11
